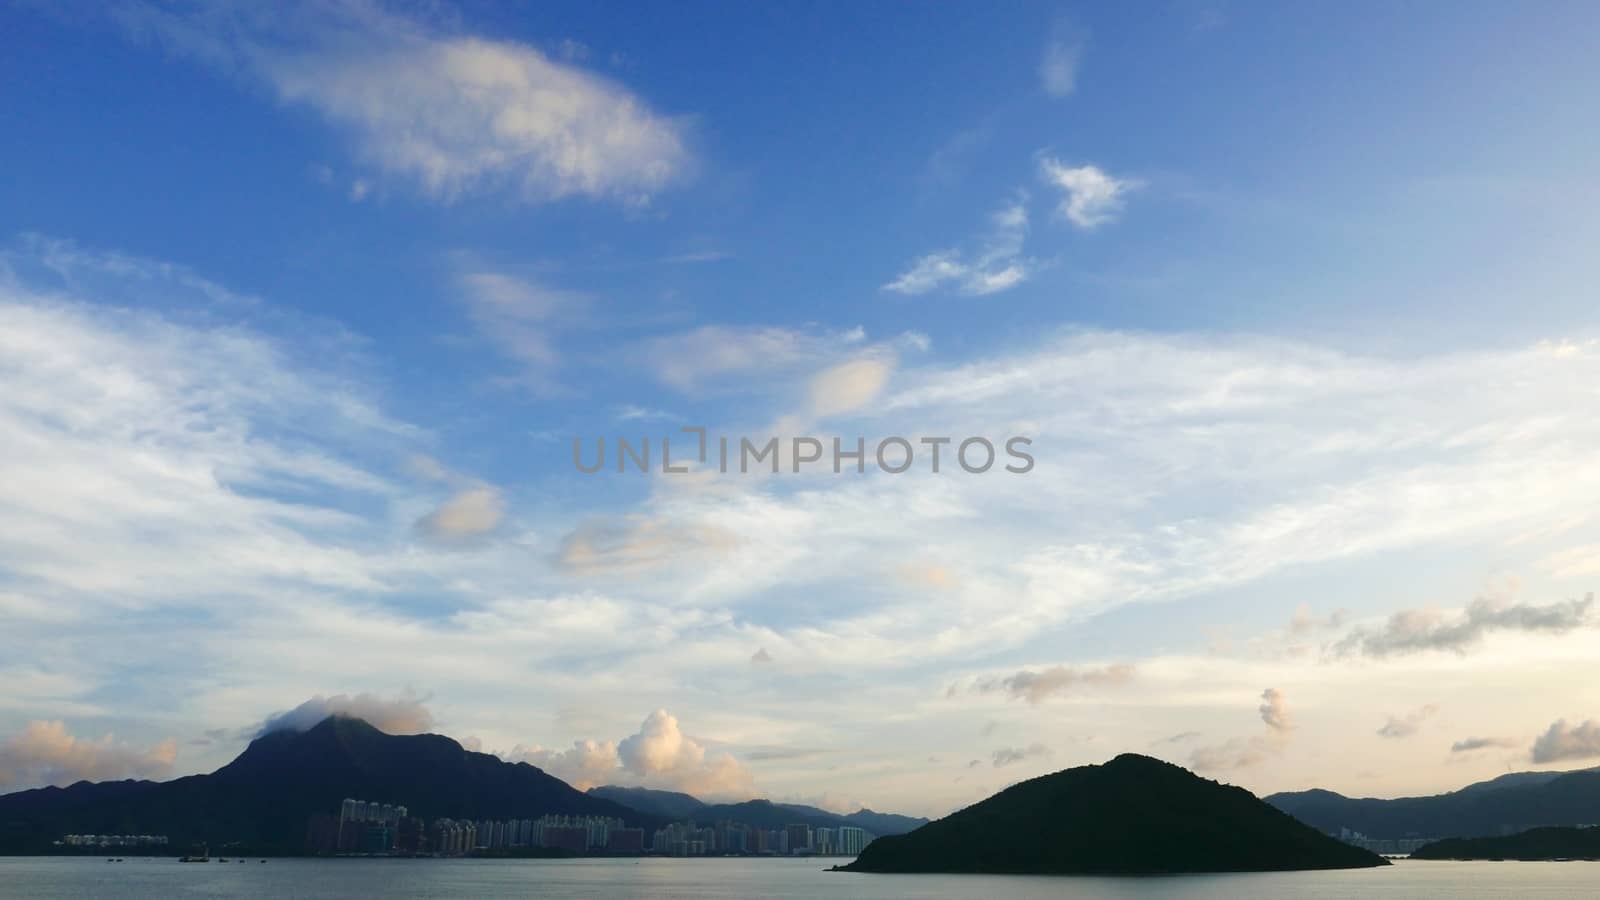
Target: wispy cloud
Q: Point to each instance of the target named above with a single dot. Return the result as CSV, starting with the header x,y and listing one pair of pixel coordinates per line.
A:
x,y
733,357
1038,686
997,266
446,111
1407,725
1471,744
1058,67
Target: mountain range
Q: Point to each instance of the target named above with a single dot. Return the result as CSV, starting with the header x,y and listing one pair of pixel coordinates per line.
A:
x,y
755,813
1132,815
1512,802
263,798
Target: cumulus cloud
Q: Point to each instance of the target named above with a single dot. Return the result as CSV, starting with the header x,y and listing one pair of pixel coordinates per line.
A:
x,y
1468,745
1407,725
658,755
1274,710
45,753
471,513
447,112
406,714
584,765
662,755
1092,197
1243,752
1037,686
996,266
1563,741
1009,756
1419,630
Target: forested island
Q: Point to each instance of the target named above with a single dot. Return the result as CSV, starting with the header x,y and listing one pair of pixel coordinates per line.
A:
x,y
1132,815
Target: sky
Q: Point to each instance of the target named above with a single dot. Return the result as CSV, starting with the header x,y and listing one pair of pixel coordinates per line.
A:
x,y
303,308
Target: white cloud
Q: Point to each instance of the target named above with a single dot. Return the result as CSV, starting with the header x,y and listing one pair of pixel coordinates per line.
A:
x,y
658,755
447,112
997,266
406,714
1058,69
584,765
522,318
1093,198
728,358
45,753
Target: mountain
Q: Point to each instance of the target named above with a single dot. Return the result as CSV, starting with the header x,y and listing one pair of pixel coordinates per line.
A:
x,y
1535,843
755,813
667,804
265,796
876,822
1513,802
1132,815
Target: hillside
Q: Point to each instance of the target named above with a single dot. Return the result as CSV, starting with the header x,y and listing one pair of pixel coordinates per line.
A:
x,y
1132,815
264,797
1536,843
755,813
1512,802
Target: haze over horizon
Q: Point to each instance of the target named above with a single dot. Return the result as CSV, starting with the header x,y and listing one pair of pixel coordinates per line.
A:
x,y
1296,306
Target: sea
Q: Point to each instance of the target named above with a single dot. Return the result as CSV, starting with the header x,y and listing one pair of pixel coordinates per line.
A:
x,y
137,878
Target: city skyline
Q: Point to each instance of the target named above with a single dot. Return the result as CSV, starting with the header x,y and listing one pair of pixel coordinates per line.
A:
x,y
301,328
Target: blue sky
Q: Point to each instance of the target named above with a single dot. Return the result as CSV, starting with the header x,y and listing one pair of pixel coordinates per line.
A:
x,y
305,305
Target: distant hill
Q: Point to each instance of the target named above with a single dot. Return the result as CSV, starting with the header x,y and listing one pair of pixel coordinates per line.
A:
x,y
667,804
1513,802
1132,815
756,813
1535,843
264,797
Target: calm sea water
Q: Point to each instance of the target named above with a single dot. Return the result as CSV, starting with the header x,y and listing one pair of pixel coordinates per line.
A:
x,y
752,879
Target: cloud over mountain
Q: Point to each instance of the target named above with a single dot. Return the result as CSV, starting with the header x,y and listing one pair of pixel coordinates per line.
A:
x,y
406,714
